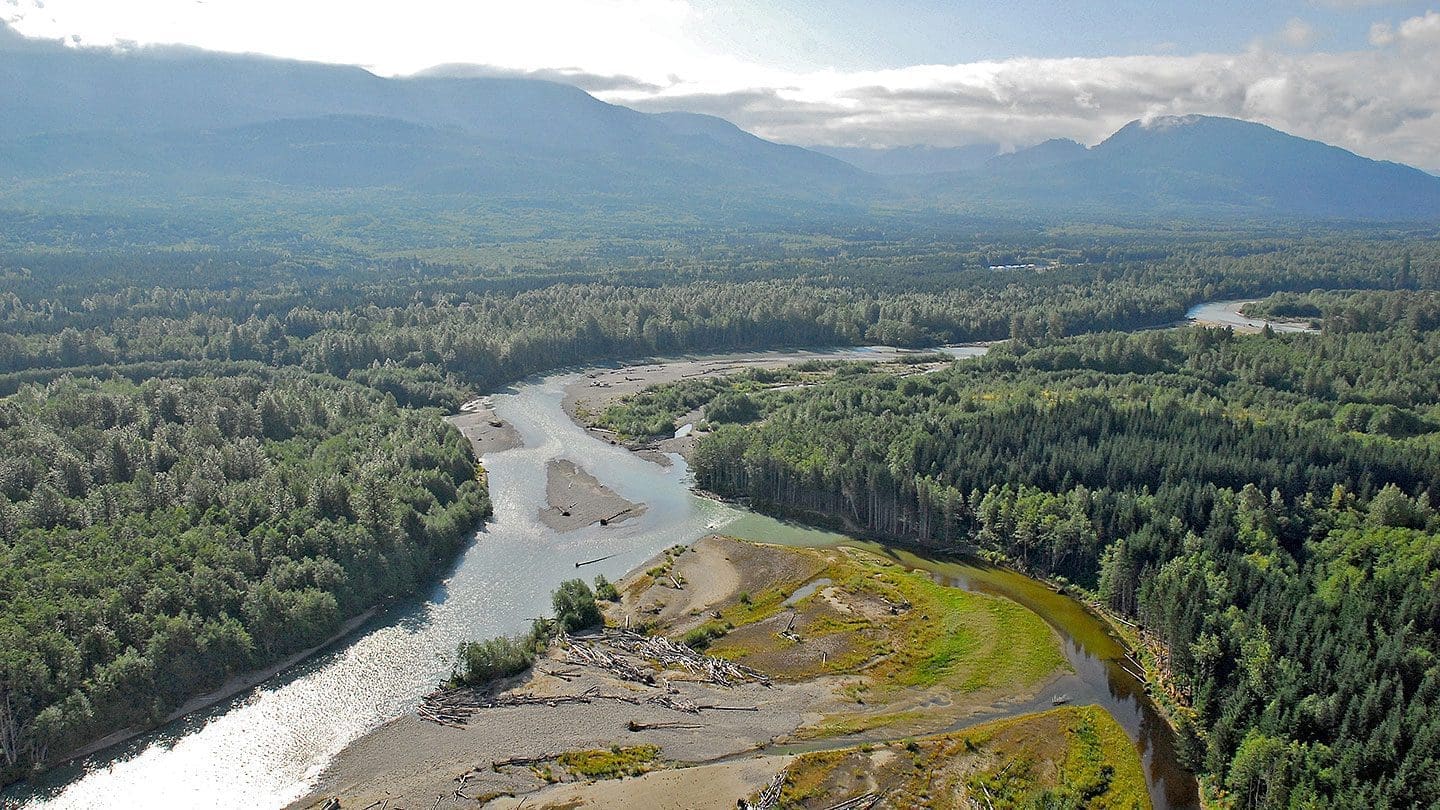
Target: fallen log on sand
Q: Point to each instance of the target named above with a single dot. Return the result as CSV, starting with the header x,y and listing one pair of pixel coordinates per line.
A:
x,y
636,725
769,798
864,802
513,761
460,704
606,521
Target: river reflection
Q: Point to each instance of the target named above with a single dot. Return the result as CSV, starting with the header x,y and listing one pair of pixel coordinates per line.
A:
x,y
267,747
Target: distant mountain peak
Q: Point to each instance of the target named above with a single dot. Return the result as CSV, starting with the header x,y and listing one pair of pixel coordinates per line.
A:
x,y
90,121
1222,166
1164,122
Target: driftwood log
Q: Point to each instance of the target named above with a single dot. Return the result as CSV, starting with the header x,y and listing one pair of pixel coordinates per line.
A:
x,y
624,644
496,765
769,798
864,802
627,655
636,725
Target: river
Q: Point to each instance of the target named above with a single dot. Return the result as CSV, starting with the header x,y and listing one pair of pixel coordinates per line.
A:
x,y
267,746
1227,313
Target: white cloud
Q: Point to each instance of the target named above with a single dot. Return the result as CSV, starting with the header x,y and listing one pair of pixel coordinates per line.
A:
x,y
1420,30
609,36
1380,101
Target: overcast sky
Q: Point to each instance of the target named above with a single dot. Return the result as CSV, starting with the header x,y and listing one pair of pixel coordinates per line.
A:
x,y
1359,73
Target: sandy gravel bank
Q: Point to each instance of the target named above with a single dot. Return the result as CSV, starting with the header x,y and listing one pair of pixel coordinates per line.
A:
x,y
575,499
486,431
705,787
602,388
819,623
411,762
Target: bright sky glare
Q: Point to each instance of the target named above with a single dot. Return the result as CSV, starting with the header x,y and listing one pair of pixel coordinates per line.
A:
x,y
1360,73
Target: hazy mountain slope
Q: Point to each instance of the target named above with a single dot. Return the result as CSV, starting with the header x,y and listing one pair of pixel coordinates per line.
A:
x,y
1054,152
186,116
88,127
903,160
1196,164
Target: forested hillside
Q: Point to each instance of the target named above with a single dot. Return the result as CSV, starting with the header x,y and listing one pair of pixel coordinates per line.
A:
x,y
226,412
1262,504
156,538
429,333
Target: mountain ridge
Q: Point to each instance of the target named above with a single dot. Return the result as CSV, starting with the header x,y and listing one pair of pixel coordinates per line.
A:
x,y
166,119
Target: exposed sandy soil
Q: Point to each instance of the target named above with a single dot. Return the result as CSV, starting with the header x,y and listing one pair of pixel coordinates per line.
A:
x,y
1228,315
784,616
714,571
486,431
412,762
602,388
577,499
1021,757
705,787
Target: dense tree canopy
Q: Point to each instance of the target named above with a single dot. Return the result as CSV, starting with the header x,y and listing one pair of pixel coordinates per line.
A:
x,y
1262,503
216,448
156,538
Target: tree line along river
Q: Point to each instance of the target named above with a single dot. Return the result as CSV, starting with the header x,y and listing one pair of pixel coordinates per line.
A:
x,y
267,746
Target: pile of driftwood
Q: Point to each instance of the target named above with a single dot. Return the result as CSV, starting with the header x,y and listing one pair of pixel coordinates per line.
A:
x,y
622,653
594,654
864,802
592,651
448,707
769,798
453,707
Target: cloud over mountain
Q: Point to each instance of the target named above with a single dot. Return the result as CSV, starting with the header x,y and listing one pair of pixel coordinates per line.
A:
x,y
1378,99
1380,102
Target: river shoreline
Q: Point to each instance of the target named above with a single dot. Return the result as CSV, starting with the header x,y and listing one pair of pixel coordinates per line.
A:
x,y
1127,636
365,756
409,760
234,685
269,776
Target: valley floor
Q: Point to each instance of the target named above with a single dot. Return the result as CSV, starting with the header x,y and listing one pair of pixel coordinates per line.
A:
x,y
875,677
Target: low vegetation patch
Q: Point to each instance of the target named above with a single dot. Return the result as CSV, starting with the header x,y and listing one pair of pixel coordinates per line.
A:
x,y
1074,756
700,637
480,663
612,763
605,590
897,627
